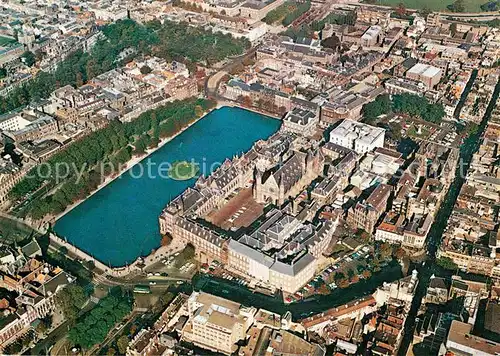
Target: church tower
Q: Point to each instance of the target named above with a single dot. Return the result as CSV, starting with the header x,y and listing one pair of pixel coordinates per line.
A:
x,y
257,184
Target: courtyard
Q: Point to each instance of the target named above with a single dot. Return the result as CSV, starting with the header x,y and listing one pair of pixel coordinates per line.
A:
x,y
240,211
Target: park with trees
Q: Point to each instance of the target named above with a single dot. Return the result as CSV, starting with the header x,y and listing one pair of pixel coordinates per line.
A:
x,y
404,104
177,41
169,40
102,154
71,300
92,327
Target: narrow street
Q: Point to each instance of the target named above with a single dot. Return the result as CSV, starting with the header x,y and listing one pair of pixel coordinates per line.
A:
x,y
425,271
212,82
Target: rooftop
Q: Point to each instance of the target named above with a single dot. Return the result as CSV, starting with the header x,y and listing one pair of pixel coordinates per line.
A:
x,y
460,333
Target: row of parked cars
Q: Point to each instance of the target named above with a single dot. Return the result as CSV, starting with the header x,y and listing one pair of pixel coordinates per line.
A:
x,y
187,267
169,261
311,287
306,291
214,268
210,268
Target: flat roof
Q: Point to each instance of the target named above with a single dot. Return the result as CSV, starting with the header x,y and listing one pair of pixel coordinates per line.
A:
x,y
460,333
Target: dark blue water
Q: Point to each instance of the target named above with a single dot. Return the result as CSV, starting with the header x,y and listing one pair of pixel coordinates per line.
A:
x,y
120,222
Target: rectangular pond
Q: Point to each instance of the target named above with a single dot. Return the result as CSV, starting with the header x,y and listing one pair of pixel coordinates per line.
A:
x,y
120,222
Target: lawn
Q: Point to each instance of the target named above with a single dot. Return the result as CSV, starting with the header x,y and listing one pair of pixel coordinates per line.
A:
x,y
433,5
424,133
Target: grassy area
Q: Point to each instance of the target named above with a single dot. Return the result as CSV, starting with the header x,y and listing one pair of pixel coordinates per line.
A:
x,y
470,5
424,133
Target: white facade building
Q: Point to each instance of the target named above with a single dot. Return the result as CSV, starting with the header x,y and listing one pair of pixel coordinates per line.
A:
x,y
14,122
360,137
216,323
253,263
301,121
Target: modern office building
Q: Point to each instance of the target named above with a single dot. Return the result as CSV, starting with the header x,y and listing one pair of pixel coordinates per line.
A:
x,y
426,74
357,136
216,323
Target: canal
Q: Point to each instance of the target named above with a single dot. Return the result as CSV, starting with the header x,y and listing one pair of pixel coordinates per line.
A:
x,y
318,303
467,150
120,222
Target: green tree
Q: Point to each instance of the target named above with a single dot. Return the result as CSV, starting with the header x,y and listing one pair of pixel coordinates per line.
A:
x,y
93,327
447,263
70,300
90,264
145,69
376,264
425,11
457,6
401,9
141,144
385,251
166,298
396,128
155,124
44,325
331,42
198,111
299,11
14,348
453,28
415,105
122,344
28,58
380,106
186,255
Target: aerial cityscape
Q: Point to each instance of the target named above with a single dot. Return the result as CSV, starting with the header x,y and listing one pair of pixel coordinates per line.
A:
x,y
250,177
